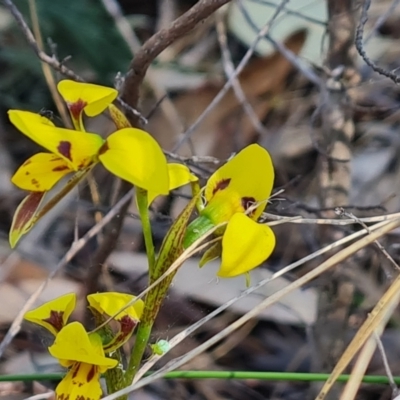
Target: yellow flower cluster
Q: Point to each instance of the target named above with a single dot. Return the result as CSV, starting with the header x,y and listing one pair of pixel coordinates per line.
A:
x,y
129,153
235,195
81,352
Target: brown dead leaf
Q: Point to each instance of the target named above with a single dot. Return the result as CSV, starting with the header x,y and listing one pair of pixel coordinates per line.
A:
x,y
227,128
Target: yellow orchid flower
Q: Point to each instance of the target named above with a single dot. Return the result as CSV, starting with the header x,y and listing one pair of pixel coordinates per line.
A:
x,y
85,97
236,194
111,304
84,355
54,314
129,153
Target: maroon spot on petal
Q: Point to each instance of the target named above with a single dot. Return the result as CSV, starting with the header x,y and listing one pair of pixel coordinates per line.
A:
x,y
92,373
127,324
35,182
103,148
77,108
27,162
65,149
27,173
221,185
60,168
56,320
247,202
75,369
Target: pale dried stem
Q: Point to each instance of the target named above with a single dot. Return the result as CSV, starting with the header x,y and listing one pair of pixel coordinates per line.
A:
x,y
357,374
377,317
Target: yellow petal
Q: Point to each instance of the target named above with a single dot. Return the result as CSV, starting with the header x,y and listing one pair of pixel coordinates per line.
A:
x,y
25,216
78,149
250,173
111,303
245,245
179,175
54,314
135,156
74,344
82,382
40,172
93,99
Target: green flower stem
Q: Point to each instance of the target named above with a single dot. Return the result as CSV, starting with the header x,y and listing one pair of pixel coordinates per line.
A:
x,y
152,303
142,338
148,317
268,376
141,198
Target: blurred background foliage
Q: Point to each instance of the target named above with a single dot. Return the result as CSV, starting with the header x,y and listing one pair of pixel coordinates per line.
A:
x,y
81,29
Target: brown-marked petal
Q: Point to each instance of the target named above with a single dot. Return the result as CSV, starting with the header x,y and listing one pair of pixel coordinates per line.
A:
x,y
53,315
40,172
95,98
78,149
82,382
24,215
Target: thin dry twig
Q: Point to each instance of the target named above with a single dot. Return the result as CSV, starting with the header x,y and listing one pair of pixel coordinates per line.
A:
x,y
380,247
194,159
326,221
389,373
